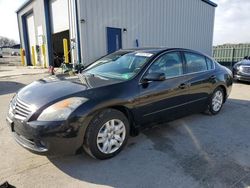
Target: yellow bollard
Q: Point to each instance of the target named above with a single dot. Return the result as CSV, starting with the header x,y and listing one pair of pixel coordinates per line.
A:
x,y
33,56
22,56
65,49
44,57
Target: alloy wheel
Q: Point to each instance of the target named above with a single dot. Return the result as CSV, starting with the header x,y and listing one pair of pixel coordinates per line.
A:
x,y
217,101
111,136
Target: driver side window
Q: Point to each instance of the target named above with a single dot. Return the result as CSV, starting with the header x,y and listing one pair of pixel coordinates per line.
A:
x,y
170,64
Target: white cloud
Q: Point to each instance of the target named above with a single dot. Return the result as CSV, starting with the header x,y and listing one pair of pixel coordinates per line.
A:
x,y
232,21
8,18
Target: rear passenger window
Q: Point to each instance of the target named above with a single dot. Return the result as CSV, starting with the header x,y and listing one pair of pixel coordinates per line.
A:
x,y
195,63
210,64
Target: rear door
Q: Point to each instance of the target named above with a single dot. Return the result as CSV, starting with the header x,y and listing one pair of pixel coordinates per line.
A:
x,y
200,74
163,100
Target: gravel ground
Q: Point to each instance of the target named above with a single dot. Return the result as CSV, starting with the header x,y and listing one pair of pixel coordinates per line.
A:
x,y
195,151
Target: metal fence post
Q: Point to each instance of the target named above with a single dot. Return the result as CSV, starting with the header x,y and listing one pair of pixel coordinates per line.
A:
x,y
66,51
22,56
44,56
33,56
232,57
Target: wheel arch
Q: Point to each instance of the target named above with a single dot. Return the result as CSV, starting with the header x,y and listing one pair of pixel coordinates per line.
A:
x,y
88,117
127,112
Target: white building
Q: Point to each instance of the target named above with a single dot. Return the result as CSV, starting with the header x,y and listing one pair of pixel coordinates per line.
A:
x,y
97,27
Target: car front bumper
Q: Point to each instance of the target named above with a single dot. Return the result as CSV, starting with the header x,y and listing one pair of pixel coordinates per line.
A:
x,y
242,77
47,138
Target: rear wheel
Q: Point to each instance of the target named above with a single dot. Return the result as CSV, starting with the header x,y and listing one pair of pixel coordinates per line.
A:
x,y
107,134
216,101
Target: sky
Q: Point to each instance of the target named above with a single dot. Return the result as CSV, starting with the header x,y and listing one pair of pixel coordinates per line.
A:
x,y
8,18
232,20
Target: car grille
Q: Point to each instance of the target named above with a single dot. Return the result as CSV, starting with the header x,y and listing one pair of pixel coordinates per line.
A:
x,y
245,69
20,109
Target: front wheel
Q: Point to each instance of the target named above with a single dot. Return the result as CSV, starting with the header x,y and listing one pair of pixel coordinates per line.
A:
x,y
216,101
106,134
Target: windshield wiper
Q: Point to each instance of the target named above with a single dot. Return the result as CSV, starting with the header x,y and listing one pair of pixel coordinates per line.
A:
x,y
87,74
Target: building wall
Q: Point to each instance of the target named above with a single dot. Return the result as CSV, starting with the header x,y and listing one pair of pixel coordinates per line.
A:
x,y
169,23
41,26
37,7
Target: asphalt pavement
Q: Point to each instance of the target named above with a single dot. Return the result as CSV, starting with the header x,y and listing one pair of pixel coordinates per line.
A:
x,y
195,151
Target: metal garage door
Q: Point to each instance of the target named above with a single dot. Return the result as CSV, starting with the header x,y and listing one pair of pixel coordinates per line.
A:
x,y
31,35
59,15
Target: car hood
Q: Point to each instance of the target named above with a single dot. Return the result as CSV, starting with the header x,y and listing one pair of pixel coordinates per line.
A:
x,y
47,90
243,62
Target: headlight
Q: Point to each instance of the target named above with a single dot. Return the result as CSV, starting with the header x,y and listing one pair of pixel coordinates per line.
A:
x,y
237,67
61,110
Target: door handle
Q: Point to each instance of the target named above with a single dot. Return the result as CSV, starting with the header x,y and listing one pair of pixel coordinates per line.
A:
x,y
212,77
183,85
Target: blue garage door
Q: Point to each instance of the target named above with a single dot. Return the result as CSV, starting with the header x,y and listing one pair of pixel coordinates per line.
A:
x,y
114,39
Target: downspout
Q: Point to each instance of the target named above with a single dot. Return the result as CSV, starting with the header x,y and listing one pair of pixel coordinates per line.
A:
x,y
78,34
48,32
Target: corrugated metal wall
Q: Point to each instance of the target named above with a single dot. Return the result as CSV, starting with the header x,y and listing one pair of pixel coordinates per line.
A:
x,y
170,23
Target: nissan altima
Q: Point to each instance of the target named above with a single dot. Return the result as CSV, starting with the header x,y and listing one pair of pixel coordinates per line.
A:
x,y
114,98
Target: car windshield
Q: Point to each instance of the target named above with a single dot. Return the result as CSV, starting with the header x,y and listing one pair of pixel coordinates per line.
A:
x,y
122,67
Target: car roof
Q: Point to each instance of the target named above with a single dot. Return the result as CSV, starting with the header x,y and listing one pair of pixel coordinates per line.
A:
x,y
157,50
146,50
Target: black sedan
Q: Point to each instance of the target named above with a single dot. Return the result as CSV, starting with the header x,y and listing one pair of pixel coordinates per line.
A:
x,y
241,70
114,98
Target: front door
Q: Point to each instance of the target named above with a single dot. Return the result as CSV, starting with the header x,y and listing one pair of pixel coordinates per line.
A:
x,y
114,39
164,100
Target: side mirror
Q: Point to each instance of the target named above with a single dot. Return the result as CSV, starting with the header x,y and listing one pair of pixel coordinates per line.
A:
x,y
155,76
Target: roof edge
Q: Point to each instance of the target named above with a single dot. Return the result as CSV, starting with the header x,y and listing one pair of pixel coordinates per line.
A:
x,y
25,4
29,1
210,3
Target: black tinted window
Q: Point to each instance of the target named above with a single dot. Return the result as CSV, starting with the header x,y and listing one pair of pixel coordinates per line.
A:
x,y
195,62
170,64
210,64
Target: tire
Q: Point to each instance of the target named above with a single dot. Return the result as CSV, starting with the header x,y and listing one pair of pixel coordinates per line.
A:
x,y
216,101
111,128
235,79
